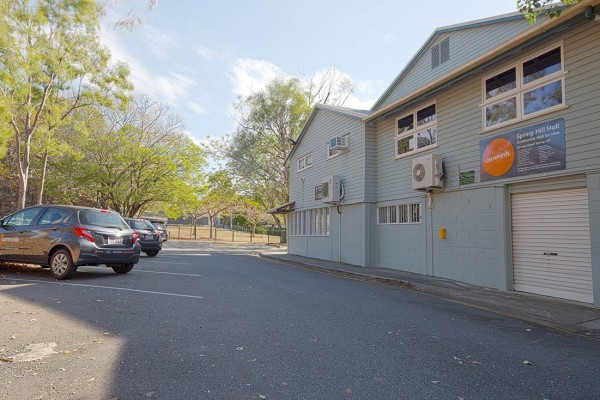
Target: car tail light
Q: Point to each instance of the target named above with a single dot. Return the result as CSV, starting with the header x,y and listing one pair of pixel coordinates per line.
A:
x,y
158,236
136,237
84,233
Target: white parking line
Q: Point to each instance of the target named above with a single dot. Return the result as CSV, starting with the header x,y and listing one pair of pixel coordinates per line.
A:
x,y
107,287
167,273
162,262
142,270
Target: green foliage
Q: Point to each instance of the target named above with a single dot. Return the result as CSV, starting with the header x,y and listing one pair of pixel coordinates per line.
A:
x,y
533,9
51,64
132,160
258,149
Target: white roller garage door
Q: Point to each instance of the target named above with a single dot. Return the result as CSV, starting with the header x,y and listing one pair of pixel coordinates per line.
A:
x,y
551,244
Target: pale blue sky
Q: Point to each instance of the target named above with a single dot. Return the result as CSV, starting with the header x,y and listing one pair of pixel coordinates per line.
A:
x,y
199,56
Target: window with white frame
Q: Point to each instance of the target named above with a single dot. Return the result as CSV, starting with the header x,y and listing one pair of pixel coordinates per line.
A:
x,y
313,222
305,162
399,214
533,86
416,131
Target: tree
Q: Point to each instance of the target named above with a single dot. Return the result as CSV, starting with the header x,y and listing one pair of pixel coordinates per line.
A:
x,y
218,196
532,9
254,213
329,86
135,158
51,64
269,121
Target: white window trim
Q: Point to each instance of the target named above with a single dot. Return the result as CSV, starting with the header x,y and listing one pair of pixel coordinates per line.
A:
x,y
521,88
411,222
337,153
301,224
304,157
414,131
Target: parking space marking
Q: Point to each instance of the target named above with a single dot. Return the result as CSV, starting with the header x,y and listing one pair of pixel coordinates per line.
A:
x,y
168,273
189,296
189,255
163,262
148,272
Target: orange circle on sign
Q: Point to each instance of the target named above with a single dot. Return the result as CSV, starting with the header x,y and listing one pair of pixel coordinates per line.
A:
x,y
498,157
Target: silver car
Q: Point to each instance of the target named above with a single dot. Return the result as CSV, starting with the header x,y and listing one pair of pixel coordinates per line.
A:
x,y
63,238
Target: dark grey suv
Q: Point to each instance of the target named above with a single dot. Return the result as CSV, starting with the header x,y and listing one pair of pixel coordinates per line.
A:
x,y
63,238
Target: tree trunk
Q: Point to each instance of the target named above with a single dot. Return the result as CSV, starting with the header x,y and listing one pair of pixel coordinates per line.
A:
x,y
195,221
210,226
23,170
43,177
22,190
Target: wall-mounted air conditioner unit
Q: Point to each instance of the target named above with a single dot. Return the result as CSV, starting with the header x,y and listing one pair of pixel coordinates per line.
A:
x,y
339,143
331,189
427,172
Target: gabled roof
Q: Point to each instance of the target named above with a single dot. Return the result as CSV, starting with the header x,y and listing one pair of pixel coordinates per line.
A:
x,y
434,36
348,112
536,32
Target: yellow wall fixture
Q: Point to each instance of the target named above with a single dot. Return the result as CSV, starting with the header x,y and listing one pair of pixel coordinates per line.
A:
x,y
442,233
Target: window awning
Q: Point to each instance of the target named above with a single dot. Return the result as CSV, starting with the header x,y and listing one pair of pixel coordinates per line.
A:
x,y
282,209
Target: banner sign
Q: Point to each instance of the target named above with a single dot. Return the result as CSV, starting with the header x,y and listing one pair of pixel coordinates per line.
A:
x,y
532,150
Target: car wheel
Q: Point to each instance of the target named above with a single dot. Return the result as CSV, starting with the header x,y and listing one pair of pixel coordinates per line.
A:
x,y
152,253
61,265
122,268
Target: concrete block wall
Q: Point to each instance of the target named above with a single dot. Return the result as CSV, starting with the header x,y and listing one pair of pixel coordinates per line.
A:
x,y
470,251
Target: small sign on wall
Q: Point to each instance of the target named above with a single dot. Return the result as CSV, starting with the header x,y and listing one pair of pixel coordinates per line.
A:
x,y
318,192
466,177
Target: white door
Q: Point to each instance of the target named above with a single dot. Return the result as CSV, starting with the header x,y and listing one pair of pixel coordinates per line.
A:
x,y
551,244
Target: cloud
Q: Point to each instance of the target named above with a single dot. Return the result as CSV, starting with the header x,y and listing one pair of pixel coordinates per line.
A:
x,y
248,75
158,41
389,37
172,87
372,87
197,108
359,104
365,94
206,53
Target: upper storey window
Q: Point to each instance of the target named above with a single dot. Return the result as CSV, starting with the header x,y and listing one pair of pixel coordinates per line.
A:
x,y
416,131
534,86
305,162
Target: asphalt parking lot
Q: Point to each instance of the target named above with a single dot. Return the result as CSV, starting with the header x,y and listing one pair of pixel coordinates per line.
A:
x,y
202,321
66,339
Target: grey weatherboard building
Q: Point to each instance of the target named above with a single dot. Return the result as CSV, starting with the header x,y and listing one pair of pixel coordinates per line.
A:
x,y
513,112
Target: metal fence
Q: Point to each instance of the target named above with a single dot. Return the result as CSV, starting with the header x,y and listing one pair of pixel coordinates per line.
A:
x,y
177,231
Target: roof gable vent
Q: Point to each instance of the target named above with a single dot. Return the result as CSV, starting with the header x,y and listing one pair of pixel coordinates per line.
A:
x,y
440,53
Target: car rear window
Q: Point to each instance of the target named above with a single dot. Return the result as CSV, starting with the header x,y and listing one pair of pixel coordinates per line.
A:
x,y
159,225
140,225
102,218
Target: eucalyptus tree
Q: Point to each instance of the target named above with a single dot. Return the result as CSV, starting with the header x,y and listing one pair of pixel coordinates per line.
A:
x,y
269,121
51,64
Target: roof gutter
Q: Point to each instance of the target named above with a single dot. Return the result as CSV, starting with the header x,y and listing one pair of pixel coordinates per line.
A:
x,y
524,37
